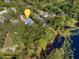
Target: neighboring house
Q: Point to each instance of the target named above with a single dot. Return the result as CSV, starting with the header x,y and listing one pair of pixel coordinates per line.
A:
x,y
3,12
7,1
22,17
44,14
6,11
52,14
36,16
12,48
13,9
14,22
2,17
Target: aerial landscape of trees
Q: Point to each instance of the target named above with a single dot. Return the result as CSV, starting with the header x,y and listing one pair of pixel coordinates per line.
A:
x,y
46,34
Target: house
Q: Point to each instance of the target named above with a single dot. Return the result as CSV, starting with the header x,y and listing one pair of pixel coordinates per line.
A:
x,y
26,21
14,22
13,9
3,12
22,17
44,14
7,1
12,48
2,17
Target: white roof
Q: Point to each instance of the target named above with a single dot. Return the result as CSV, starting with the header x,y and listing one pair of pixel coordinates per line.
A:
x,y
22,17
7,1
3,12
14,9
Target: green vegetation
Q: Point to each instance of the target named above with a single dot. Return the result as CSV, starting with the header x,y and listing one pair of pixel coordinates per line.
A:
x,y
28,40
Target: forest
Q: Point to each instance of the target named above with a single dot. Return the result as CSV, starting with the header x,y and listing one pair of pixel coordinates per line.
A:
x,y
38,29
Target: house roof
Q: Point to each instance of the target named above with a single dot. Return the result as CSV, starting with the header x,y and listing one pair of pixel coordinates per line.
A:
x,y
3,12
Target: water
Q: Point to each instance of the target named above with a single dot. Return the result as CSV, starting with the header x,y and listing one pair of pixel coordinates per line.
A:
x,y
58,42
75,45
